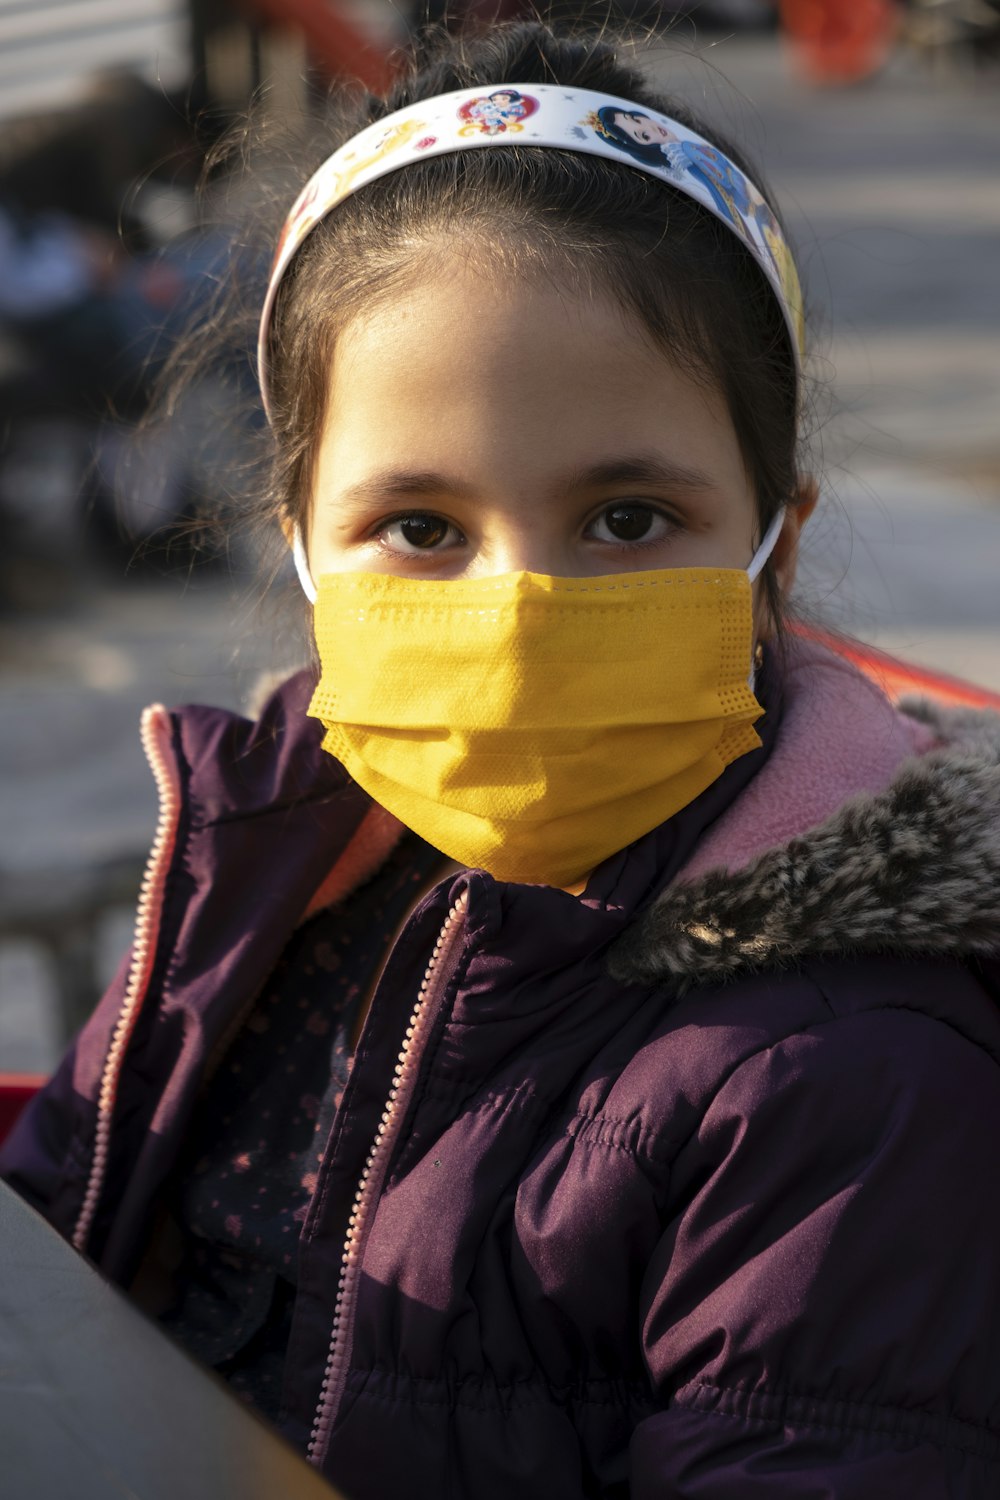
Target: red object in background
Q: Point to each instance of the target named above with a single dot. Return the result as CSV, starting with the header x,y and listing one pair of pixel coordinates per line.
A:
x,y
15,1091
339,46
898,679
839,41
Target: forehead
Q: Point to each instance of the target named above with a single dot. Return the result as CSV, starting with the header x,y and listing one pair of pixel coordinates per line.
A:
x,y
516,378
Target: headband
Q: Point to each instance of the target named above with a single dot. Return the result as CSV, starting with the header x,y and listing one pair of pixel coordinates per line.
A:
x,y
541,114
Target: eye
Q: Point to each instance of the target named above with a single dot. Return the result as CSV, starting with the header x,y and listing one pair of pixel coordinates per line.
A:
x,y
419,532
630,521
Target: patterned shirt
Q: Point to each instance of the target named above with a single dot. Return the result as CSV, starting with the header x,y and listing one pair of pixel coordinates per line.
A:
x,y
261,1129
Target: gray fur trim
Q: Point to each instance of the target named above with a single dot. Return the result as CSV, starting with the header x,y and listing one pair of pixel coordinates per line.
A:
x,y
912,870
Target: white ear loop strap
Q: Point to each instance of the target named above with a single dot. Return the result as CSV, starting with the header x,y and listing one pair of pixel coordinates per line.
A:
x,y
756,567
760,557
302,565
767,546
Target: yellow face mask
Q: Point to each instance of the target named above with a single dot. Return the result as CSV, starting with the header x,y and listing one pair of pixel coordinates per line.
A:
x,y
532,726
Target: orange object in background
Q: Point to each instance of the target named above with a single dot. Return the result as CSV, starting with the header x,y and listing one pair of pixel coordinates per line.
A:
x,y
839,41
901,679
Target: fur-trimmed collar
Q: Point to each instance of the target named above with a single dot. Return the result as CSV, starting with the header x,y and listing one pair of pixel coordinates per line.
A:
x,y
911,868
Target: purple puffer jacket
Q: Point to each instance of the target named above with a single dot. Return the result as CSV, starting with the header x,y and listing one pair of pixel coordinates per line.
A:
x,y
683,1192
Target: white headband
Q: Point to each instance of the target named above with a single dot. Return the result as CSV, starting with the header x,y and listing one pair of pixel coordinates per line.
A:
x,y
577,120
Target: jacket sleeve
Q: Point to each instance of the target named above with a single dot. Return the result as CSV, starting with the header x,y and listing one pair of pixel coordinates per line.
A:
x,y
821,1317
46,1156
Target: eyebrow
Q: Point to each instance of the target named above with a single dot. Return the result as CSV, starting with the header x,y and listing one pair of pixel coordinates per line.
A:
x,y
403,484
641,468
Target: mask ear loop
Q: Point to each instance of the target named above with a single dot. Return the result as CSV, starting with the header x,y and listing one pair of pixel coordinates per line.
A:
x,y
302,565
756,567
757,562
767,546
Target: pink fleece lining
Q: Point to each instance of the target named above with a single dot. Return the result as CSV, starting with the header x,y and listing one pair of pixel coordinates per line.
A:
x,y
839,735
373,841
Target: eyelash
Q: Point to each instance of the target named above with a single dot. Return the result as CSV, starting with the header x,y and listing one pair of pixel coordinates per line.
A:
x,y
671,523
640,544
377,535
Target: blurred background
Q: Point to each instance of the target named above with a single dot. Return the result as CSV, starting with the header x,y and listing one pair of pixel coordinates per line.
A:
x,y
877,124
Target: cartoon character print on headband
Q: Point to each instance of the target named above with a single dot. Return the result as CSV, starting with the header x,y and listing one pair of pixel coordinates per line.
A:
x,y
655,145
395,137
499,113
304,216
328,188
738,202
769,234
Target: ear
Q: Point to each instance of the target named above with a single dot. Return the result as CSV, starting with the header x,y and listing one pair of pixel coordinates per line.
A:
x,y
287,529
786,552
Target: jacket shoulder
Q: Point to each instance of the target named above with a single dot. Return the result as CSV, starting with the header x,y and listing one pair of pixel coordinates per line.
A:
x,y
697,1044
240,766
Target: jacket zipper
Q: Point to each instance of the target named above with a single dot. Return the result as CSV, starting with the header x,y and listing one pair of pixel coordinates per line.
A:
x,y
369,1188
155,732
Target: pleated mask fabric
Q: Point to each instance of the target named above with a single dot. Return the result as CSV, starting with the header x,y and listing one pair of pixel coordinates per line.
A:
x,y
528,725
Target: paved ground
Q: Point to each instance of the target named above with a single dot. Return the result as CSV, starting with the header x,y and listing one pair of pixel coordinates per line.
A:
x,y
891,191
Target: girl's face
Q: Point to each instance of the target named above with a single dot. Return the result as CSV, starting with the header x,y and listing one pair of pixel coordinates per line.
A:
x,y
474,429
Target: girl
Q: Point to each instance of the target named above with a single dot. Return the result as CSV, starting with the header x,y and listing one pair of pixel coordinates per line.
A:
x,y
559,1052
